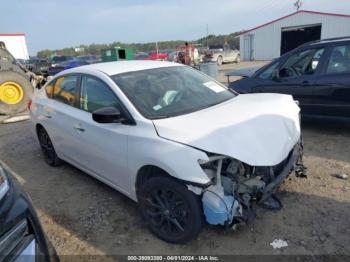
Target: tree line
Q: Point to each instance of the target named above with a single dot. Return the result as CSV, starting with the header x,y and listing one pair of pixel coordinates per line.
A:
x,y
95,49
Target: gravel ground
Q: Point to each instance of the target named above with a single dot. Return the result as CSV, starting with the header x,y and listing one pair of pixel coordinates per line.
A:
x,y
83,216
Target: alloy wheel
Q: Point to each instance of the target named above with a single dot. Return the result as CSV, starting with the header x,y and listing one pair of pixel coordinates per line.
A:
x,y
167,212
47,147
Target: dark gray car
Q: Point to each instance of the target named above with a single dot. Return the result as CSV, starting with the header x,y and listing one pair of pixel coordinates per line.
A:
x,y
317,74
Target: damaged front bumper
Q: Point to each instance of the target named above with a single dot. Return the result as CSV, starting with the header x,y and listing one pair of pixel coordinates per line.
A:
x,y
231,198
294,163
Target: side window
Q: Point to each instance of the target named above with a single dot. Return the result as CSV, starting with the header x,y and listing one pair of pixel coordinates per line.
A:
x,y
267,73
339,61
94,94
64,89
49,89
301,63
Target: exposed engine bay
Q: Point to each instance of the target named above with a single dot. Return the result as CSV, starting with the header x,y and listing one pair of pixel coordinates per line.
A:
x,y
238,187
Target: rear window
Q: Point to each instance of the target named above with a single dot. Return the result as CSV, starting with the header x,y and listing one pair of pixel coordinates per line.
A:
x,y
65,88
339,61
49,89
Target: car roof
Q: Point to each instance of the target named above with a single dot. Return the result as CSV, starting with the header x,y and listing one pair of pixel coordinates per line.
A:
x,y
327,41
119,67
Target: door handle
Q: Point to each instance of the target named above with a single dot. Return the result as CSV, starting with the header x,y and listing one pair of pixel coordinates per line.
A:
x,y
79,128
47,115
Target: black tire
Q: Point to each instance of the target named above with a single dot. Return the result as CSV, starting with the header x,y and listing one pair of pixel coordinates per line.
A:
x,y
219,61
172,212
47,148
27,89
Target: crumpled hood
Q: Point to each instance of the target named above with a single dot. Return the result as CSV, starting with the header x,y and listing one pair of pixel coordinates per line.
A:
x,y
257,129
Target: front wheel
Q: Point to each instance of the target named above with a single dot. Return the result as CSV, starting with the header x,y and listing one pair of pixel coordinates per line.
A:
x,y
172,212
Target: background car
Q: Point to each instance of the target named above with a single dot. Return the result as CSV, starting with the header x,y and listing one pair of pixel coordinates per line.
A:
x,y
90,59
141,56
21,235
172,56
221,55
317,74
38,66
158,56
75,62
59,59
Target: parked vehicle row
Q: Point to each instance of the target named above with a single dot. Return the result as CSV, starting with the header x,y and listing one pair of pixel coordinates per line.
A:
x,y
196,55
56,64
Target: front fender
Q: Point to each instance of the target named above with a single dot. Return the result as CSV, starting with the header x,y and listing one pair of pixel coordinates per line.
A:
x,y
178,160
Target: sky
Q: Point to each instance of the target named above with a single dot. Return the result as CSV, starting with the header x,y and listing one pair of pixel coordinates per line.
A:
x,y
50,24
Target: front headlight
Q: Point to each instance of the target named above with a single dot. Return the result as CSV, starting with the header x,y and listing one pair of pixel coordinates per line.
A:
x,y
4,184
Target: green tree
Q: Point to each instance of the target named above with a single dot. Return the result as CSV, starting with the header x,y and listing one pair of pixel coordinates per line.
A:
x,y
95,49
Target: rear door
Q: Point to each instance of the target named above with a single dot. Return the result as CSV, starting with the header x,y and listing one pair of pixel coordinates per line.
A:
x,y
294,75
332,87
58,114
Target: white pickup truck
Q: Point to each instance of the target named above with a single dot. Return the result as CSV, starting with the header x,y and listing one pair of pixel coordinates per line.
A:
x,y
222,55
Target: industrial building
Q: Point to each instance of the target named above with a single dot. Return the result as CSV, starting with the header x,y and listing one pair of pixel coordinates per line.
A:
x,y
16,44
273,39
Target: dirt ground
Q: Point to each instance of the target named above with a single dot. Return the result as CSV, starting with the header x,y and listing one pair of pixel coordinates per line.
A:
x,y
83,216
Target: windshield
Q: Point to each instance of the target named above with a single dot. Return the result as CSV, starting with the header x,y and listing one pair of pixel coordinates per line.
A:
x,y
171,91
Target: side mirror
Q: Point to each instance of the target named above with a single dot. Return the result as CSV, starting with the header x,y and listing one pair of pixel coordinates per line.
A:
x,y
107,115
275,74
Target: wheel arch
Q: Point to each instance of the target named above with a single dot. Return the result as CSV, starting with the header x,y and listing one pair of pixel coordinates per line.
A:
x,y
147,172
38,126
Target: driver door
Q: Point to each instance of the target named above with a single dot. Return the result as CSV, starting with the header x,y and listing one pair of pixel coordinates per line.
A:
x,y
101,149
296,76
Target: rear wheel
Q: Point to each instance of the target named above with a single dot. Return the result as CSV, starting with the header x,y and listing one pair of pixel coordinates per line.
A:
x,y
172,212
15,92
47,148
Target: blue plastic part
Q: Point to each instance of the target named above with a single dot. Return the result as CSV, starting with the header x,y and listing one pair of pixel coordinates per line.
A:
x,y
219,215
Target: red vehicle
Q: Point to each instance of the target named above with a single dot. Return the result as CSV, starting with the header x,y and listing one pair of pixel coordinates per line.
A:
x,y
158,56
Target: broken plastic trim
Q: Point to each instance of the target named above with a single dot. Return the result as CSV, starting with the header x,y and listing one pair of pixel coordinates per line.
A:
x,y
218,208
289,167
211,159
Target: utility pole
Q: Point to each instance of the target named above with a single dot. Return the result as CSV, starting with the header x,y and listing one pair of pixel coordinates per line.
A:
x,y
207,36
157,48
298,4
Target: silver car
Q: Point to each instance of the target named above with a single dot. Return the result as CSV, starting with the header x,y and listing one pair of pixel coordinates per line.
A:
x,y
171,138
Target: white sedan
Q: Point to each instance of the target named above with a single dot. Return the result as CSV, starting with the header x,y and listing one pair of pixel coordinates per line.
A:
x,y
181,144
